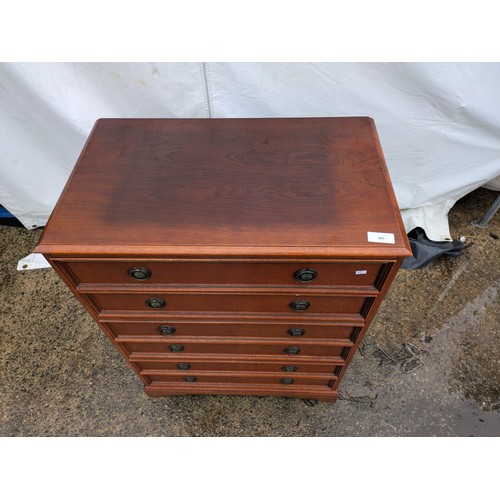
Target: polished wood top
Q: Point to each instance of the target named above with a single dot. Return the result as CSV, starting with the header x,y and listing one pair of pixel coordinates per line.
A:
x,y
280,187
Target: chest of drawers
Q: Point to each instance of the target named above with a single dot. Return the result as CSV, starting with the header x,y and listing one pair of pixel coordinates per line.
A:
x,y
230,256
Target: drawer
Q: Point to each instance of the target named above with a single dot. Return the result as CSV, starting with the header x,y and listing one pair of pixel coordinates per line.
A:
x,y
282,380
197,365
291,349
228,272
277,303
178,329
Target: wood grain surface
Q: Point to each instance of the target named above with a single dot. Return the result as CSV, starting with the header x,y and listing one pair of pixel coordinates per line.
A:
x,y
296,186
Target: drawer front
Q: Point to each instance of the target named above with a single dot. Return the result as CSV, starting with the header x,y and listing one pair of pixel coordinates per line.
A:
x,y
291,349
196,365
301,305
223,273
243,378
175,329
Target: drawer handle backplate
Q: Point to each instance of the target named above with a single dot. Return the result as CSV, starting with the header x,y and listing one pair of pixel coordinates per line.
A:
x,y
300,305
140,273
296,332
305,275
155,303
291,350
176,347
286,381
166,330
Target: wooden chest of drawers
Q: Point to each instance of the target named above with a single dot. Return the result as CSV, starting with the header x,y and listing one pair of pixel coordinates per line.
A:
x,y
230,256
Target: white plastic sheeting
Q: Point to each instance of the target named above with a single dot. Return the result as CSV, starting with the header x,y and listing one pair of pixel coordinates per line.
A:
x,y
439,123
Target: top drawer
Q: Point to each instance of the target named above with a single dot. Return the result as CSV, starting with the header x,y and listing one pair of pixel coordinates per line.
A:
x,y
231,272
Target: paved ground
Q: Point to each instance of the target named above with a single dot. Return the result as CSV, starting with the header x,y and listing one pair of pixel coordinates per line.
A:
x,y
60,376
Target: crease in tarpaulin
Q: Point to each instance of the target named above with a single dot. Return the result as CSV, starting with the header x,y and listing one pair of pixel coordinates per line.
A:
x,y
206,88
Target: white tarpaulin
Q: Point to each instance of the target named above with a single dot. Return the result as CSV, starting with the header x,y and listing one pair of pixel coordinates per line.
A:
x,y
439,123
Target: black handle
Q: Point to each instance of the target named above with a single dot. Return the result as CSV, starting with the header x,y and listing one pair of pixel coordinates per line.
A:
x,y
140,273
289,368
300,305
305,275
291,350
166,330
155,303
190,379
296,332
286,381
176,347
183,366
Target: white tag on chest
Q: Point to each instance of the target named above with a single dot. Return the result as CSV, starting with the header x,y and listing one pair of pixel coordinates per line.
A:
x,y
381,237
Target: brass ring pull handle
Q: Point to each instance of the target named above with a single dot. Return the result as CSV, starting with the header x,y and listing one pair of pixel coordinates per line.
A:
x,y
300,305
305,275
140,273
176,347
296,332
155,303
166,330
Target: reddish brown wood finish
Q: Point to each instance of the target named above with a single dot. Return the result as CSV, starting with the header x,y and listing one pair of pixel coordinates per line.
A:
x,y
244,302
247,346
205,364
244,378
321,393
305,186
226,273
222,213
185,329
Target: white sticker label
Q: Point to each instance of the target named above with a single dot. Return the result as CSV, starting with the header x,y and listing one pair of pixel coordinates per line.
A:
x,y
381,237
362,271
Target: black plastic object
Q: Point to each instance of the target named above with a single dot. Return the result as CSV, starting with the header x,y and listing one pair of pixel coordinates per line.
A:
x,y
425,250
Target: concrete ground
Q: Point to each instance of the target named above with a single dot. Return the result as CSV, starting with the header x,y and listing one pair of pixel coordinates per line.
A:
x,y
60,375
